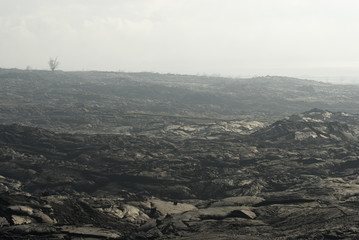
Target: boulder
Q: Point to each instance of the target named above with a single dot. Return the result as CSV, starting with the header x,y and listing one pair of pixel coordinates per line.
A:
x,y
168,208
4,222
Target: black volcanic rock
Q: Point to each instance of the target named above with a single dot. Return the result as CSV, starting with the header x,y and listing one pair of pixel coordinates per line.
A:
x,y
118,102
302,128
105,155
269,183
151,156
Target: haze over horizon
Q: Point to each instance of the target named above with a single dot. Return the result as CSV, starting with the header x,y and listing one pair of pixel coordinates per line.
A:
x,y
298,38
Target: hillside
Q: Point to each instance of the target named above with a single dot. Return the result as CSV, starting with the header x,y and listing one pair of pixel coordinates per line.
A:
x,y
105,155
116,102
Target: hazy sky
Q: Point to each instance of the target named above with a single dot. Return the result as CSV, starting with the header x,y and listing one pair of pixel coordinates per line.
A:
x,y
228,37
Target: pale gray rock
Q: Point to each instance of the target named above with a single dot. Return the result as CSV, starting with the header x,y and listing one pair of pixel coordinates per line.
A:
x,y
168,208
4,222
87,231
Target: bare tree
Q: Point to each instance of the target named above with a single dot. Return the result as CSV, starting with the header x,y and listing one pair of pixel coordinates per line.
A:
x,y
53,63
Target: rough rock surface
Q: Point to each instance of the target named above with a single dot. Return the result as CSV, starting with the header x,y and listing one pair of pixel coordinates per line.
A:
x,y
146,156
266,185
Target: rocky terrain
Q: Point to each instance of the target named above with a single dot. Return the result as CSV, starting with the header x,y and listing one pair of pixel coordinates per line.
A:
x,y
123,171
118,102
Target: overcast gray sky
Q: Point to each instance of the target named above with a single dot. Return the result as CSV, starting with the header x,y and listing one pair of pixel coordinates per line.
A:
x,y
303,38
